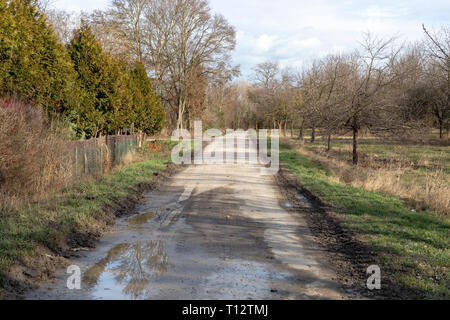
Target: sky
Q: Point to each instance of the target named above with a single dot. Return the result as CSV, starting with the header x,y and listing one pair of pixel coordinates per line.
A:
x,y
293,32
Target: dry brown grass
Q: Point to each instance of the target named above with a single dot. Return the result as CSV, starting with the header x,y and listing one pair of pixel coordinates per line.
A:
x,y
34,155
37,158
431,193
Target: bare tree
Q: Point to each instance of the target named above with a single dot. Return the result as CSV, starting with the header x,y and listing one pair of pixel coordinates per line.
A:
x,y
121,28
112,35
266,73
314,90
127,18
181,37
270,93
352,92
438,45
64,23
332,98
44,5
370,76
183,45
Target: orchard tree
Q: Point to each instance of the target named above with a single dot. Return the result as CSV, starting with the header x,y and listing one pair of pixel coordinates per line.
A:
x,y
369,76
438,45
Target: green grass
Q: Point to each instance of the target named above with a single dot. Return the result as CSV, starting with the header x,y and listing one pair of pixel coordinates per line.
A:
x,y
77,208
415,245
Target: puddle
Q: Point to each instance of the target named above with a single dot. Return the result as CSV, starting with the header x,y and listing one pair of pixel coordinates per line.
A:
x,y
287,205
306,203
127,270
142,218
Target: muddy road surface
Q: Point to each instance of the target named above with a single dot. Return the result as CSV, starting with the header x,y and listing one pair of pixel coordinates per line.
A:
x,y
209,232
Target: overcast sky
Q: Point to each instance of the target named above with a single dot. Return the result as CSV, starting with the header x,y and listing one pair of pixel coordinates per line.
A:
x,y
292,32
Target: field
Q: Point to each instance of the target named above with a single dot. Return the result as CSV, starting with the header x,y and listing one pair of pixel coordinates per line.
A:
x,y
418,173
377,203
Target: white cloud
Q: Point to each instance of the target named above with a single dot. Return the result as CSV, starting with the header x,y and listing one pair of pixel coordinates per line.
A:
x,y
307,43
265,42
294,31
375,11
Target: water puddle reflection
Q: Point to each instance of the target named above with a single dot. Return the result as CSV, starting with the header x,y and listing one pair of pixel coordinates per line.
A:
x,y
142,218
305,201
288,205
126,270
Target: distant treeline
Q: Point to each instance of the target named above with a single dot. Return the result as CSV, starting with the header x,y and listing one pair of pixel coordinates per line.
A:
x,y
93,91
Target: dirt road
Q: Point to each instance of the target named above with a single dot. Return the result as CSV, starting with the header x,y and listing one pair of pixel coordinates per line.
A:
x,y
210,232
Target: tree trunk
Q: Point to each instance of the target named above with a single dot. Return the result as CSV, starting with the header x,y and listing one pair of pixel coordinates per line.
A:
x,y
355,146
441,129
285,128
302,126
188,122
181,105
329,143
313,134
292,129
180,122
280,125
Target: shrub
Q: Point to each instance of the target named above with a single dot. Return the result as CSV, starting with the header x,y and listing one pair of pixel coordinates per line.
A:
x,y
33,153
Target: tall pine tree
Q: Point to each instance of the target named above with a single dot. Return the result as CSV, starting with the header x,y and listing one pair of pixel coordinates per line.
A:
x,y
148,113
35,66
93,67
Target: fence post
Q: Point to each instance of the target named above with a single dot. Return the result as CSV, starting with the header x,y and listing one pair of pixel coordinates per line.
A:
x,y
101,159
76,161
86,169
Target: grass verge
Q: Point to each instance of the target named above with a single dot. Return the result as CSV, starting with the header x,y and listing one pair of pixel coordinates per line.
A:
x,y
414,246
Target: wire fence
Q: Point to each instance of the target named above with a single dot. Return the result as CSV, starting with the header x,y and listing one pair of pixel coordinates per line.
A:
x,y
95,157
